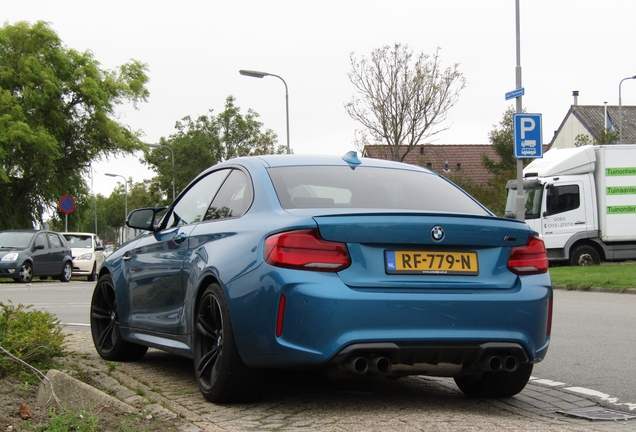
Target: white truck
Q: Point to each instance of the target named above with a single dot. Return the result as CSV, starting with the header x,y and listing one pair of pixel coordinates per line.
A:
x,y
582,201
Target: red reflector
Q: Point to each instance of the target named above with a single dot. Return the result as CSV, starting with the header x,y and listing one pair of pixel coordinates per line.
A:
x,y
529,259
548,331
281,315
305,250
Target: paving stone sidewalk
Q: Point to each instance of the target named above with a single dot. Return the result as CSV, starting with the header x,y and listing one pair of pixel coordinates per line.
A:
x,y
163,385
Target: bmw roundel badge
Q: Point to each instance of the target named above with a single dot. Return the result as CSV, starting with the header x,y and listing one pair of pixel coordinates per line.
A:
x,y
437,233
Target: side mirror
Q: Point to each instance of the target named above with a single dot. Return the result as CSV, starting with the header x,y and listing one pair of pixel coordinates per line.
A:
x,y
142,219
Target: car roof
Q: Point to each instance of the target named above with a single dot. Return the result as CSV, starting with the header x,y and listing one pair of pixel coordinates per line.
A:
x,y
26,230
350,159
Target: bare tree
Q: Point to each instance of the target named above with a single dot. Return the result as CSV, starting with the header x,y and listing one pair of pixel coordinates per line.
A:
x,y
400,100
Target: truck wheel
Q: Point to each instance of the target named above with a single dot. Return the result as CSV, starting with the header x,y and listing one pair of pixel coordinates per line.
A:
x,y
584,256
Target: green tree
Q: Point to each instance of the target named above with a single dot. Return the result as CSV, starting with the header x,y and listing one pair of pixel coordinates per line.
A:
x,y
57,114
207,140
401,99
502,139
605,136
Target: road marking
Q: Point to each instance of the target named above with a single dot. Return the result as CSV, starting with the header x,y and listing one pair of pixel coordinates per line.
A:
x,y
584,391
547,382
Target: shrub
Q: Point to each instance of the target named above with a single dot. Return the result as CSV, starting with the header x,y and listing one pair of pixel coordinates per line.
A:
x,y
32,336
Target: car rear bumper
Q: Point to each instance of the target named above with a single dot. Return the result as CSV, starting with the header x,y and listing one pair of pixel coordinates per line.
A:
x,y
322,317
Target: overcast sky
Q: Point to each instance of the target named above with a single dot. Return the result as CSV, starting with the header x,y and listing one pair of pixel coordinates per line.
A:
x,y
194,50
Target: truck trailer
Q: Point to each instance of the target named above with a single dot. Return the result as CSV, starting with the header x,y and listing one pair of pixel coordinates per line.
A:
x,y
582,201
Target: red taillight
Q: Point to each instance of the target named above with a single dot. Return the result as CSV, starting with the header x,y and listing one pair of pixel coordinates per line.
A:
x,y
529,259
305,250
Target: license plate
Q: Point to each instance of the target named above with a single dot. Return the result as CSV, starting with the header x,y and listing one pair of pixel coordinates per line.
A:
x,y
432,262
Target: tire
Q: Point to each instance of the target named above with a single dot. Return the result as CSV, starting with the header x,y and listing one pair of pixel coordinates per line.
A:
x,y
584,256
105,325
91,277
220,373
67,272
26,273
495,384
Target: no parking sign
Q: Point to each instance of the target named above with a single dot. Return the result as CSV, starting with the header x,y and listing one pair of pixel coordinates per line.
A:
x,y
67,204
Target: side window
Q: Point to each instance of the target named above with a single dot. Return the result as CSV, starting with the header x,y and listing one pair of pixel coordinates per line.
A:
x,y
233,199
54,240
562,199
192,206
40,240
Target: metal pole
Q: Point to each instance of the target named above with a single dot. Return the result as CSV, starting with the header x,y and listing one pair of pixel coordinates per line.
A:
x,y
258,74
520,202
287,114
620,110
124,237
94,198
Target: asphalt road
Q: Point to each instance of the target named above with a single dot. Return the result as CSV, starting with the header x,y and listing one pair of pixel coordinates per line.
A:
x,y
593,343
593,338
69,301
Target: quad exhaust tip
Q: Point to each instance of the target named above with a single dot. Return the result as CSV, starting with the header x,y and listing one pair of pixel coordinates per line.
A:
x,y
363,365
383,365
496,364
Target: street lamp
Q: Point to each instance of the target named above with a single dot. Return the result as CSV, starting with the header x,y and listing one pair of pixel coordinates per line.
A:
x,y
257,74
124,237
172,153
620,110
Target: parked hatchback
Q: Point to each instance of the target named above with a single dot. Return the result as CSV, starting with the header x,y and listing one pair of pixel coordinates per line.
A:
x,y
28,253
355,265
87,250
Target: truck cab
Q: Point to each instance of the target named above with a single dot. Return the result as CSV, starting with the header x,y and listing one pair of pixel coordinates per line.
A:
x,y
582,201
561,210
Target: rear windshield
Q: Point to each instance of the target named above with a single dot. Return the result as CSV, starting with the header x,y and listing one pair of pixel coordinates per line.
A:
x,y
366,187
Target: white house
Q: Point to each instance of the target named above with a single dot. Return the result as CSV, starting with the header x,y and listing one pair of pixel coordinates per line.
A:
x,y
591,119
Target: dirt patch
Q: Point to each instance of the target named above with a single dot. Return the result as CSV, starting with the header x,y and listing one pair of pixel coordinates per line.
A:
x,y
14,393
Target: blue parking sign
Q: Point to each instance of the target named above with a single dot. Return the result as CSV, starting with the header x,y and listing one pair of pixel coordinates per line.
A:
x,y
528,136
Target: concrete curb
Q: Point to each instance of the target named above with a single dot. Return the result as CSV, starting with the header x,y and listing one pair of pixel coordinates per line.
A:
x,y
594,289
77,395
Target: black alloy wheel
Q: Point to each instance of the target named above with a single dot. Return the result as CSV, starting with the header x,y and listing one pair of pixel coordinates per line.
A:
x,y
220,372
105,325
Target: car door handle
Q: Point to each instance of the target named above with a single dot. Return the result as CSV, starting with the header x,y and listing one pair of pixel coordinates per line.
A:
x,y
180,238
579,223
127,256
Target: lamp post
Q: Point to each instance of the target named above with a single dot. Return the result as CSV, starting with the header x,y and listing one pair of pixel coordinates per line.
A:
x,y
172,153
257,74
123,234
620,109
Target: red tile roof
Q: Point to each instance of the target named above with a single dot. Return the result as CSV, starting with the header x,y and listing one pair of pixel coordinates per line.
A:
x,y
445,159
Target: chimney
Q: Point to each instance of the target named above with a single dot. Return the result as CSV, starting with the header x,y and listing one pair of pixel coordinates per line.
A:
x,y
575,93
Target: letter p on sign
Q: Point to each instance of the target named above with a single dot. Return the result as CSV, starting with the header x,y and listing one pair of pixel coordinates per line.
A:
x,y
528,135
